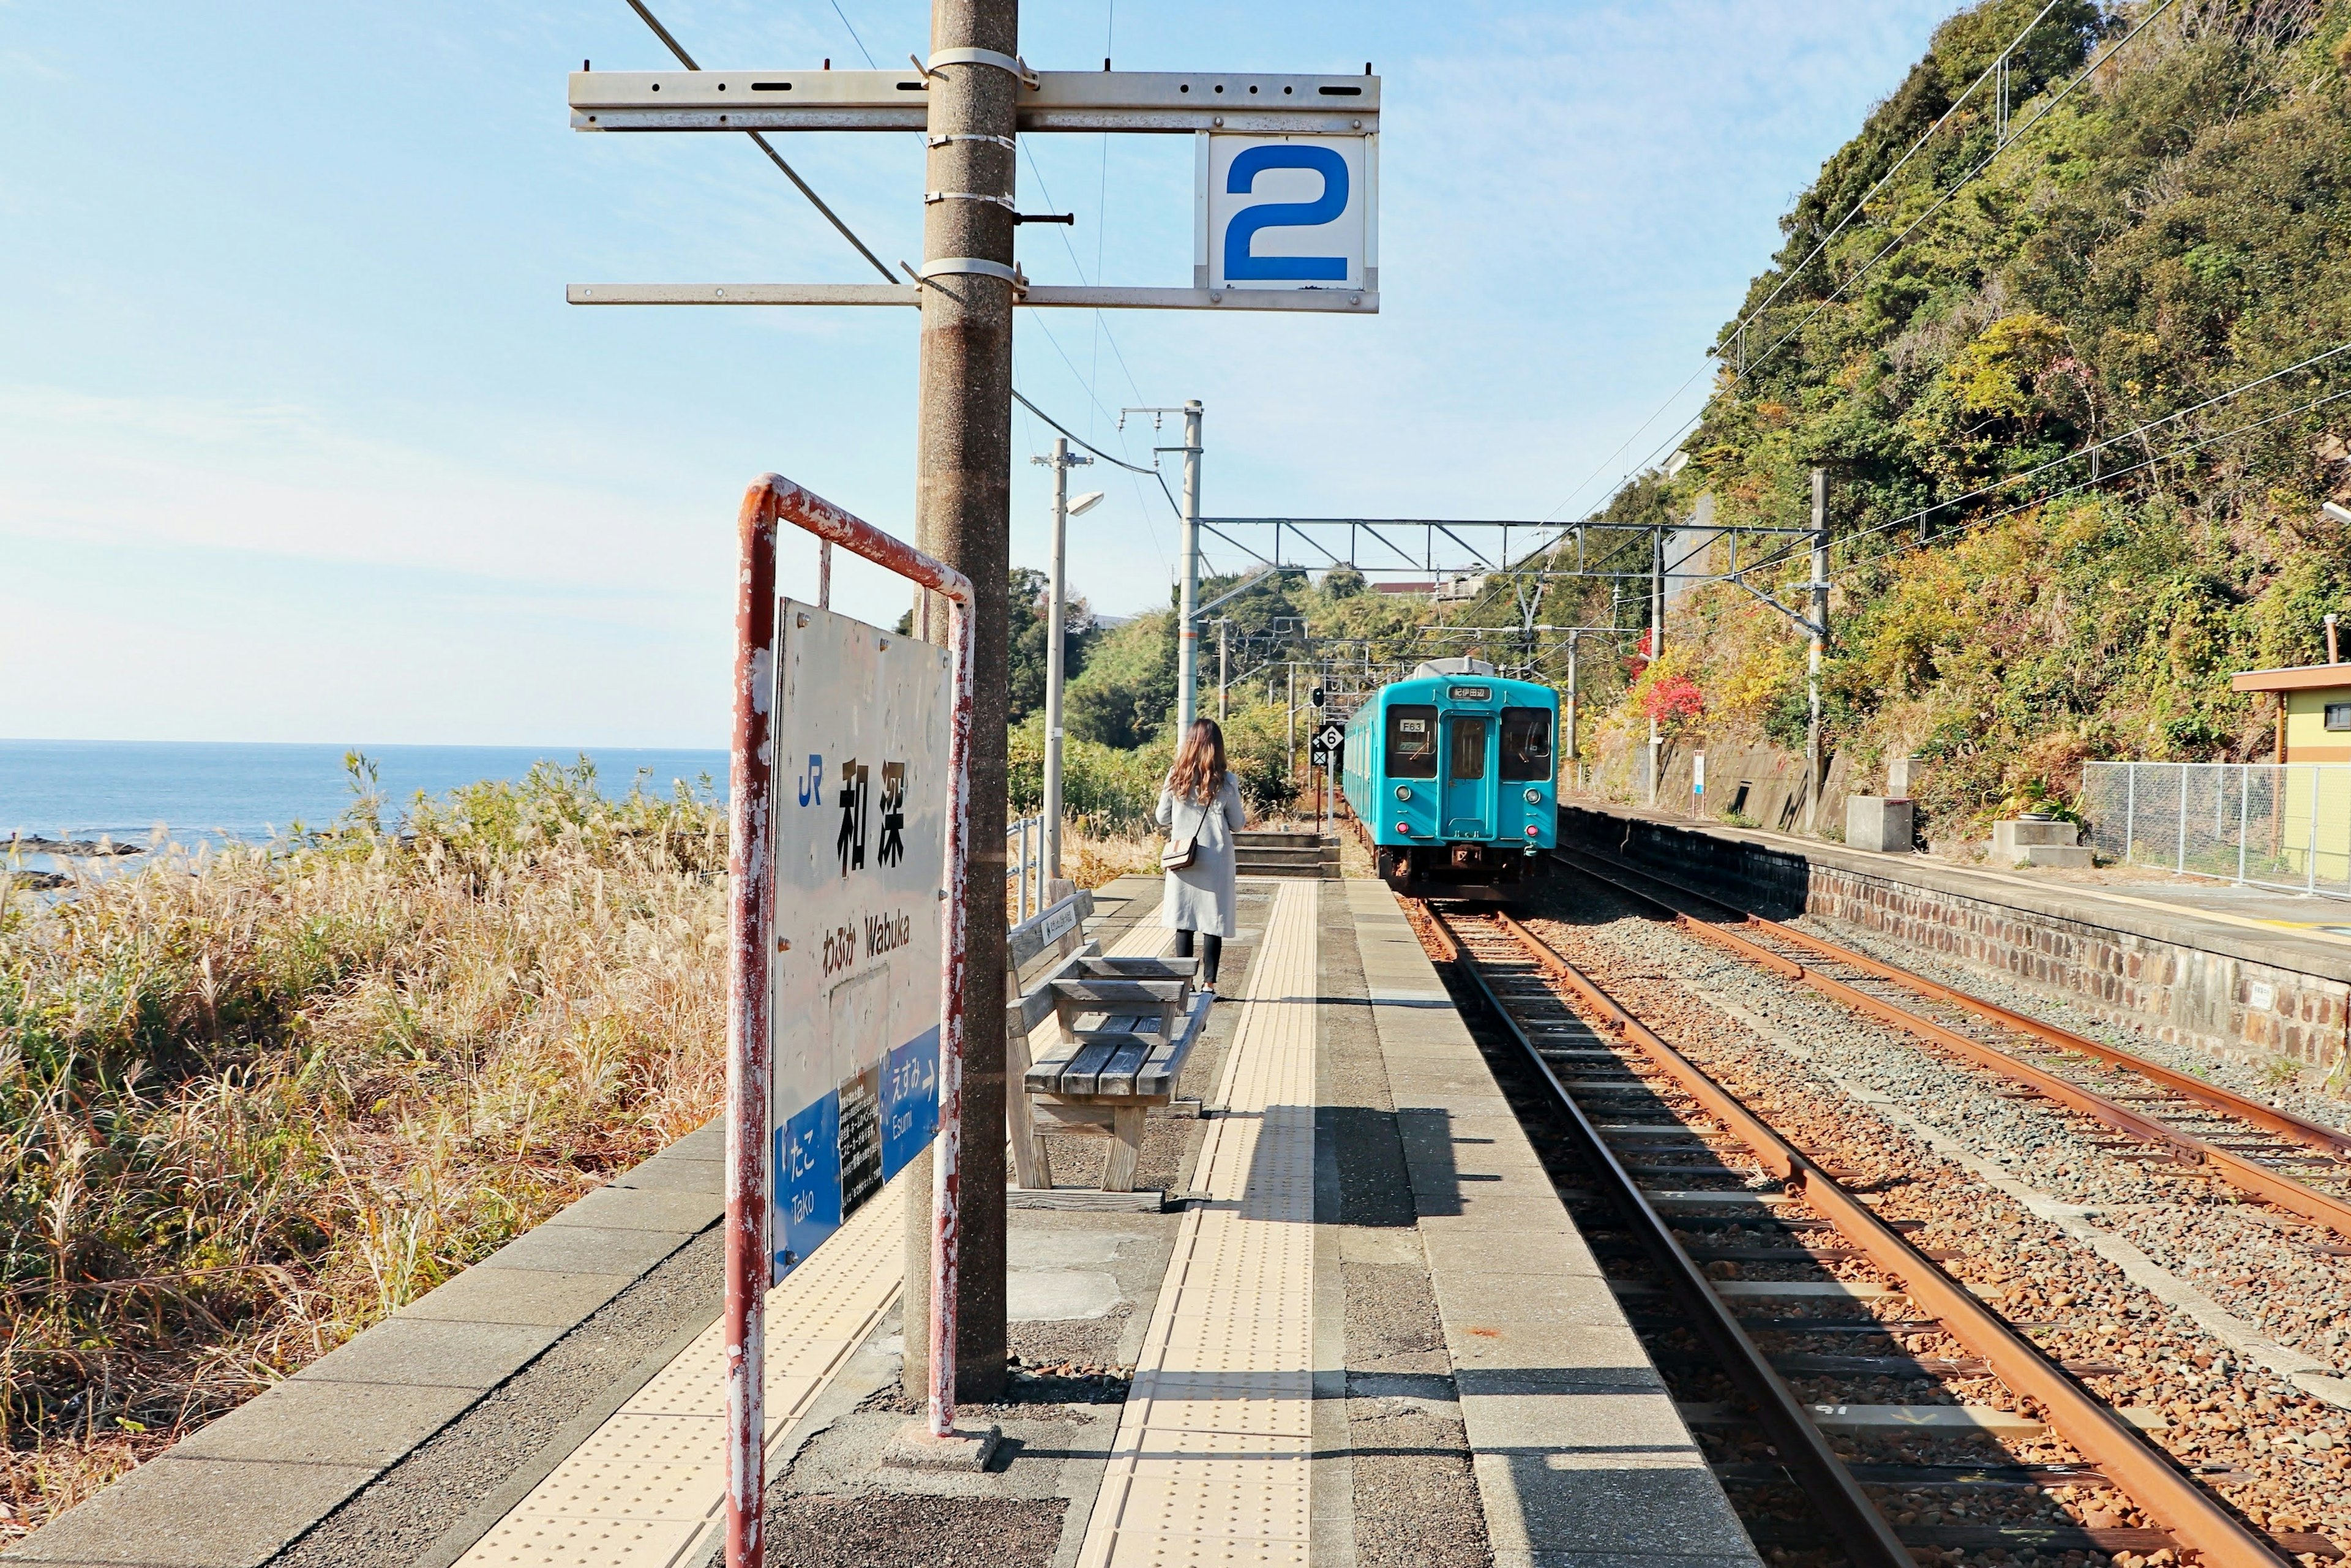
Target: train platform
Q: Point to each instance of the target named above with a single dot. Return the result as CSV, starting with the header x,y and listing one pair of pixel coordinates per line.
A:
x,y
1365,1331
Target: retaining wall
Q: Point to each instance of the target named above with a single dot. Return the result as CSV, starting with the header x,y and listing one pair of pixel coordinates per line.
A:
x,y
2187,981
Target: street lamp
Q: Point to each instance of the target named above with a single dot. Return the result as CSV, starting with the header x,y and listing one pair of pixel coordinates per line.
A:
x,y
1056,613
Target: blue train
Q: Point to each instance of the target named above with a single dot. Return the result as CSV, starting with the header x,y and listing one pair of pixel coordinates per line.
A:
x,y
1452,775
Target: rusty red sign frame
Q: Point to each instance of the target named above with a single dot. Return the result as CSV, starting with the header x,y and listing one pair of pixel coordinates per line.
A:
x,y
771,501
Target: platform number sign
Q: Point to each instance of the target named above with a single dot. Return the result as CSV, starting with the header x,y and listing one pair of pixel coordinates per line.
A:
x,y
861,737
1328,743
1287,213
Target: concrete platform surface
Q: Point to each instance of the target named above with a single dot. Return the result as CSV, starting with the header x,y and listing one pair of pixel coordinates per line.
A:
x,y
1372,1335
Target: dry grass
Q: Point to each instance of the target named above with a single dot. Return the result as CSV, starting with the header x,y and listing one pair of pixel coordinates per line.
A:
x,y
253,1101
1092,860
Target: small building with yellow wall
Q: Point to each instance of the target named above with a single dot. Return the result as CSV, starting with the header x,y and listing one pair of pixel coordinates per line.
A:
x,y
2314,712
2297,825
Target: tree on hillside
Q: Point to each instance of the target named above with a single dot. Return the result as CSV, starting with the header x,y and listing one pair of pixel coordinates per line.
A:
x,y
1029,649
2014,596
1127,695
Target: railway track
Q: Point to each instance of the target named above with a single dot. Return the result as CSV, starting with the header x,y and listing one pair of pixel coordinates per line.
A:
x,y
1839,1377
2297,1166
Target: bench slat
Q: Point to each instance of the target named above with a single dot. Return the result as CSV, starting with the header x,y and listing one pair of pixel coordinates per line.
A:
x,y
1160,1072
1078,1076
1117,1075
1118,993
1143,968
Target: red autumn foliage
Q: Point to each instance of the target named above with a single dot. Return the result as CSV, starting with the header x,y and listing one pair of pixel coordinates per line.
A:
x,y
1673,700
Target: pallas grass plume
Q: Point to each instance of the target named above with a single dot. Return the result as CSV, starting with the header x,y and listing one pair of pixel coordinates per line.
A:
x,y
254,1098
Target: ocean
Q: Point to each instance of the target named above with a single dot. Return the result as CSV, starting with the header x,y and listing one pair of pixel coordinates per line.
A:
x,y
200,789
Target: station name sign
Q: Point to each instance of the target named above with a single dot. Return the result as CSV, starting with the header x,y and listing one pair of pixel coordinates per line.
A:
x,y
859,826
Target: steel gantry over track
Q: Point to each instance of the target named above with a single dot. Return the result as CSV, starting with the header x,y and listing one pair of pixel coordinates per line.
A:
x,y
1519,548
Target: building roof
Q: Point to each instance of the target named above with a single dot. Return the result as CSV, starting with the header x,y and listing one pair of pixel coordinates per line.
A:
x,y
2295,678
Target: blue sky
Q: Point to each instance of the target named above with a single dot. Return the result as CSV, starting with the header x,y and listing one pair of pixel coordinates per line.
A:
x,y
299,440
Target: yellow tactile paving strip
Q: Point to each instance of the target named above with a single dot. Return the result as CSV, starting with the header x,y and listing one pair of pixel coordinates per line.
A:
x,y
648,1489
1211,1460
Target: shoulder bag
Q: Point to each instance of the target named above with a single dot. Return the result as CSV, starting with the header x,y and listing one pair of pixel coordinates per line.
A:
x,y
1179,856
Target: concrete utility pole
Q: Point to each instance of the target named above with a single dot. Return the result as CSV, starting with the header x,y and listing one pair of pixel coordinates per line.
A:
x,y
1187,651
1574,757
1056,634
1656,643
963,515
1291,740
1815,770
1224,662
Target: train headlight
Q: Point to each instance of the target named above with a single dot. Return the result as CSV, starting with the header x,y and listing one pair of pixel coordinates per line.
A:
x,y
1534,796
1404,791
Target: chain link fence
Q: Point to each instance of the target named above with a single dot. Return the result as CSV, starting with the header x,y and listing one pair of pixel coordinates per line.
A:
x,y
2274,826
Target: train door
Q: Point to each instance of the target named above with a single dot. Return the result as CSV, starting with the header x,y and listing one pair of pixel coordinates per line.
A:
x,y
1469,784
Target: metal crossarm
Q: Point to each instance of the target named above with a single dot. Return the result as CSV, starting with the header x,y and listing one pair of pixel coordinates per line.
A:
x,y
1161,101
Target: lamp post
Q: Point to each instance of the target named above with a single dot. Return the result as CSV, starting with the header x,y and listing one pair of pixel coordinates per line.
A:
x,y
1057,614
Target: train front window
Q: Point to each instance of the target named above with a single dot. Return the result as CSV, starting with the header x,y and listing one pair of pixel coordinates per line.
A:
x,y
1412,741
1526,743
1469,758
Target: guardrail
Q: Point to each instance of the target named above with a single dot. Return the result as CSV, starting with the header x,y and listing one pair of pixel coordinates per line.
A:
x,y
1024,866
2282,825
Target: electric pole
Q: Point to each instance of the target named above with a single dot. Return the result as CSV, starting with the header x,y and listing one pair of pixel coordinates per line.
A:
x,y
1291,739
1056,634
1815,772
1188,679
1224,662
1574,759
1657,645
963,515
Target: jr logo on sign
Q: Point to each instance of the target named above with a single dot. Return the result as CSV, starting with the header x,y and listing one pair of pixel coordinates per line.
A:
x,y
1286,211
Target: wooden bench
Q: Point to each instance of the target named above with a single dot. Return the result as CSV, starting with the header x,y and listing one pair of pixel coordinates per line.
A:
x,y
1122,1028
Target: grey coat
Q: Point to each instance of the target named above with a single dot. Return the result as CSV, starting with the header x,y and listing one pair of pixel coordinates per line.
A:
x,y
1200,896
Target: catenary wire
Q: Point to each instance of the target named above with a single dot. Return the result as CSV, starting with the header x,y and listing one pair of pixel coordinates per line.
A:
x,y
2136,433
1747,371
868,53
761,142
2164,457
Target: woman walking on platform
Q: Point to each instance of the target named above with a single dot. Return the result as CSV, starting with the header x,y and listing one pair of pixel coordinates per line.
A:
x,y
1200,807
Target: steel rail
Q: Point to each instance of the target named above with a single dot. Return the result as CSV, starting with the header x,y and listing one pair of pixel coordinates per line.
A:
x,y
2129,1460
2284,1123
2247,1175
1865,1533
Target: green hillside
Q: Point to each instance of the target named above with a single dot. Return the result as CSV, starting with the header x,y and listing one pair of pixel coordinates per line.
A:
x,y
2155,231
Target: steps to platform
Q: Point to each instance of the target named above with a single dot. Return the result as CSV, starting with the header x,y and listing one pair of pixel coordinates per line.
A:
x,y
1258,852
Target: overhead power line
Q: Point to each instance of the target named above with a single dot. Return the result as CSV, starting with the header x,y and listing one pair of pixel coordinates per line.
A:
x,y
2137,432
1746,371
760,141
2108,478
860,42
1789,277
2040,113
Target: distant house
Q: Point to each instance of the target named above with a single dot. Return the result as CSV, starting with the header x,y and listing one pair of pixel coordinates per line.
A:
x,y
2314,709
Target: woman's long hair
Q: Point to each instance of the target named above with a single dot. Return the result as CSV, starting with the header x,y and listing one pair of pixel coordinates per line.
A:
x,y
1199,774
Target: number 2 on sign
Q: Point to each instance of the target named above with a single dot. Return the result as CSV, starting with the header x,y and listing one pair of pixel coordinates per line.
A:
x,y
1241,179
